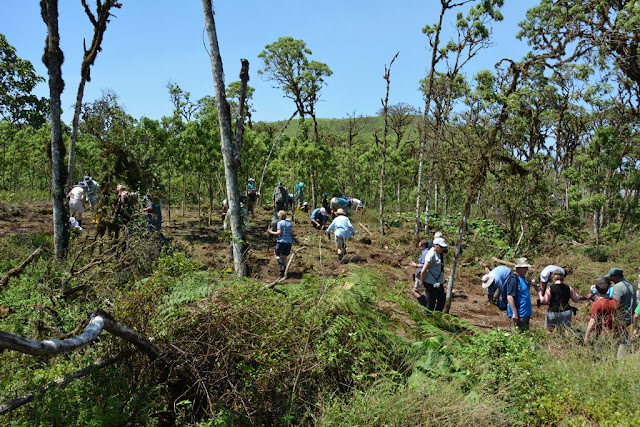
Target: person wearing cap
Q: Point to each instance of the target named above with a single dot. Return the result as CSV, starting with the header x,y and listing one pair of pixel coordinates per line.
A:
x,y
343,232
625,293
93,192
358,204
494,280
251,194
284,234
518,295
318,218
76,201
557,296
432,275
305,207
298,190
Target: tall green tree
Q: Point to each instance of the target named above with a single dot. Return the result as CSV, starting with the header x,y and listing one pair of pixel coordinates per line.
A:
x,y
18,78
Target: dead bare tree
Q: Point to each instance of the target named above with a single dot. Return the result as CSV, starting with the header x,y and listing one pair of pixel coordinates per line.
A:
x,y
53,59
103,12
385,130
228,147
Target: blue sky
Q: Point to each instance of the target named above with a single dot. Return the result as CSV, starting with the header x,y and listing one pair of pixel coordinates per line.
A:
x,y
152,42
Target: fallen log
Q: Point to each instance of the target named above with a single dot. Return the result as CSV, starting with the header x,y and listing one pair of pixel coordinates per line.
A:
x,y
371,235
501,261
17,270
53,347
286,270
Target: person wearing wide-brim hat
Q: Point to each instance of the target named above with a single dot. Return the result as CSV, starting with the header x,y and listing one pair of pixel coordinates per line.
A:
x,y
519,308
343,232
494,280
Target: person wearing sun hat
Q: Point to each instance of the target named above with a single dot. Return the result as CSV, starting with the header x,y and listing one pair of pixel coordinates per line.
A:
x,y
519,308
432,275
343,232
494,280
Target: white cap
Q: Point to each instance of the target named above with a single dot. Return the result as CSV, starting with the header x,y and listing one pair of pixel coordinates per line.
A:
x,y
440,242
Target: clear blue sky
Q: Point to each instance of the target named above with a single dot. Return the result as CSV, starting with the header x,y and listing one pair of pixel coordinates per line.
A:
x,y
151,42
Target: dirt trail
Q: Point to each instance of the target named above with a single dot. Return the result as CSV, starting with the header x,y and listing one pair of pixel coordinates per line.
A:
x,y
208,245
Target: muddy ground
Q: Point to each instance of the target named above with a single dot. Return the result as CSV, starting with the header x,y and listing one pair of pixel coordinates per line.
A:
x,y
208,244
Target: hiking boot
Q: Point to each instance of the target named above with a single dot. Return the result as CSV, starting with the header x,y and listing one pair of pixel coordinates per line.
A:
x,y
340,256
281,273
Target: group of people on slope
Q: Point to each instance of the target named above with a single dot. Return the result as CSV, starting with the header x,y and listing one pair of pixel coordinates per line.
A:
x,y
612,312
282,228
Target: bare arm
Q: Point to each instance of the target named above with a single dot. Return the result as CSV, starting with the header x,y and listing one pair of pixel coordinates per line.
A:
x,y
590,327
512,303
574,295
546,298
425,269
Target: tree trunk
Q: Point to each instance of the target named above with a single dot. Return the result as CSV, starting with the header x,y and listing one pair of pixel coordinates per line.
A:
x,y
385,106
224,119
454,265
425,117
53,59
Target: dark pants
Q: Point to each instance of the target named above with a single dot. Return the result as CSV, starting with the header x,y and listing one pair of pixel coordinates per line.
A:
x,y
436,297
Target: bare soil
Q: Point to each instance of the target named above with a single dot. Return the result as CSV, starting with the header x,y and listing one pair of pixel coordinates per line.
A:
x,y
209,244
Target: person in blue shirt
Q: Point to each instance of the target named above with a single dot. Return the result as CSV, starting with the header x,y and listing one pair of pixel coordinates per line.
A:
x,y
518,296
343,232
494,280
318,218
284,240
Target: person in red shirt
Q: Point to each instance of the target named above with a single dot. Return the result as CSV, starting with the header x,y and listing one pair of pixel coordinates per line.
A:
x,y
605,312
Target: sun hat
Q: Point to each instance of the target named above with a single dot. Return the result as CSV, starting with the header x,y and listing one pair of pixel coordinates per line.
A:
x,y
438,234
522,262
615,271
487,280
87,178
440,242
251,179
340,211
280,184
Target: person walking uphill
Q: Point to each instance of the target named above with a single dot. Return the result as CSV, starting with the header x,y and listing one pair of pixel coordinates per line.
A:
x,y
557,296
518,296
432,275
624,292
284,234
298,189
343,232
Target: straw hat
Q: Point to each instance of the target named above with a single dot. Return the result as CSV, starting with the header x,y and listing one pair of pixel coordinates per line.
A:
x,y
522,262
340,211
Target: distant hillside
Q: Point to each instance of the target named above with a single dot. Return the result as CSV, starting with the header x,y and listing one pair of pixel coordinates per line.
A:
x,y
339,126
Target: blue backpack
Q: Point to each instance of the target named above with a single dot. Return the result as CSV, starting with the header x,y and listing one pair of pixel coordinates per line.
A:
x,y
502,302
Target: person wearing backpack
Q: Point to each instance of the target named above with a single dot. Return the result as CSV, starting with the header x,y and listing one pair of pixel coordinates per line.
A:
x,y
494,282
432,275
517,286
